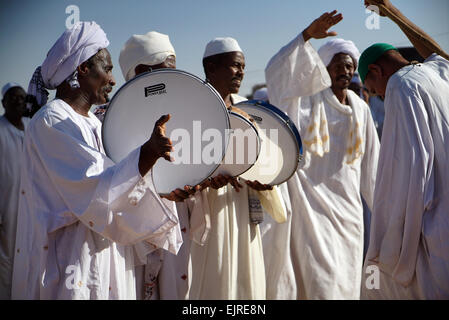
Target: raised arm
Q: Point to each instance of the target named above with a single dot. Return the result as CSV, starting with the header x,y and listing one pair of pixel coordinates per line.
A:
x,y
423,43
297,70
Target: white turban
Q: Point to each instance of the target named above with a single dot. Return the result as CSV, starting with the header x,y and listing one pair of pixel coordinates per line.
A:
x,y
221,45
150,49
8,86
75,46
335,46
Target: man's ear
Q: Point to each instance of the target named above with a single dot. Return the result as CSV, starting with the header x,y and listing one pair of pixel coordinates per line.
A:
x,y
211,68
83,69
375,69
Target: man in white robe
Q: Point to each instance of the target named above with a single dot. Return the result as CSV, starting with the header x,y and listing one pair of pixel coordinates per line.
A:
x,y
12,127
230,264
323,237
78,213
408,255
164,276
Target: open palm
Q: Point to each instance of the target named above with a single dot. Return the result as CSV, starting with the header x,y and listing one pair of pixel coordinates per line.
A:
x,y
318,29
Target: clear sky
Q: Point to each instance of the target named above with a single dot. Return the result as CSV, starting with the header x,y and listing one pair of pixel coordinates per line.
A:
x,y
29,28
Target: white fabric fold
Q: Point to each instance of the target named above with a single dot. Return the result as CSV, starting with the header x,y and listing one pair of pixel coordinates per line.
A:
x,y
81,217
336,46
325,228
150,49
11,145
75,46
409,227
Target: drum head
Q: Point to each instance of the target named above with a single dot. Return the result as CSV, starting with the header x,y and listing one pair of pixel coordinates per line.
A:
x,y
243,148
198,127
281,147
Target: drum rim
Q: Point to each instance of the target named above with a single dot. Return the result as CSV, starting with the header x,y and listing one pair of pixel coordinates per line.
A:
x,y
287,121
282,115
178,71
258,139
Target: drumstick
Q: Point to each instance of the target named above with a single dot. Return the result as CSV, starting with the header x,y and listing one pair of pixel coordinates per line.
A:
x,y
413,32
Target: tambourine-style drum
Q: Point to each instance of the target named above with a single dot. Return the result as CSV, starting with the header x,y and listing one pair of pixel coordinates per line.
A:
x,y
281,147
243,148
198,127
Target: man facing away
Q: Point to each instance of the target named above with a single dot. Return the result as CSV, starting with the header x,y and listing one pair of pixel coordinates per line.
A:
x,y
409,245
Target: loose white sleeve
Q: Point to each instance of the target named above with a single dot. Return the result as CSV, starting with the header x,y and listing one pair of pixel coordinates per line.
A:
x,y
86,185
295,71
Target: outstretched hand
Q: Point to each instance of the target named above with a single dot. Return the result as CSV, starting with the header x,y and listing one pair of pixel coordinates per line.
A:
x,y
318,29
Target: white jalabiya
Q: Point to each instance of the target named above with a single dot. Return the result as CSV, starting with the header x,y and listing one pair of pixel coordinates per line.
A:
x,y
230,264
11,142
167,276
76,223
410,222
325,232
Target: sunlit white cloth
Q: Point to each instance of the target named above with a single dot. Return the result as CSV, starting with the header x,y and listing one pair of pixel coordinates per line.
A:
x,y
409,226
76,223
151,49
324,236
11,144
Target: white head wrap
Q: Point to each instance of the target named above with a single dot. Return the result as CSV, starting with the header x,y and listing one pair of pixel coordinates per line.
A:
x,y
8,86
221,45
150,49
75,46
335,46
261,94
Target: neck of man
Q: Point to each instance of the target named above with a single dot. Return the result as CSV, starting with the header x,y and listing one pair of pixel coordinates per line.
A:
x,y
227,100
341,94
15,120
397,65
77,99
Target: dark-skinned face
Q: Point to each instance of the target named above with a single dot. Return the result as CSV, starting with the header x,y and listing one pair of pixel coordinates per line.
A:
x,y
227,76
341,70
14,101
169,63
100,80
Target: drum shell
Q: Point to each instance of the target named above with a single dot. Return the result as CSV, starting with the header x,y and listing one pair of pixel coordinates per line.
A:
x,y
273,166
243,148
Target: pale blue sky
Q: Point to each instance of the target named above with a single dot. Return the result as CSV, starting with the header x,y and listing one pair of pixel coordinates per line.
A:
x,y
29,28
